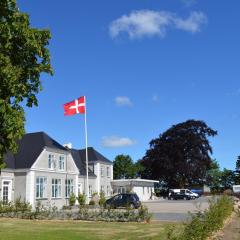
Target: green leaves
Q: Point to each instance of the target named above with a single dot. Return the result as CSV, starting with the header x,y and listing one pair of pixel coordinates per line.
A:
x,y
24,56
123,167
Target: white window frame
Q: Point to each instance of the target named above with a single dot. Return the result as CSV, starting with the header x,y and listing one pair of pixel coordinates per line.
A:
x,y
69,187
90,190
108,172
9,189
108,190
61,163
80,191
51,161
102,189
41,187
56,188
102,171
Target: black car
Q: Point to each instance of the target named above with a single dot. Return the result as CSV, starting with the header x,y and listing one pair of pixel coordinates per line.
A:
x,y
179,195
123,200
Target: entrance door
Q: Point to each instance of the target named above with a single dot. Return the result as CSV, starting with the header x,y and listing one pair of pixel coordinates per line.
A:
x,y
6,191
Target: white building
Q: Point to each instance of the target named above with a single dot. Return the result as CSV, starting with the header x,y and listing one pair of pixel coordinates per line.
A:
x,y
144,188
44,170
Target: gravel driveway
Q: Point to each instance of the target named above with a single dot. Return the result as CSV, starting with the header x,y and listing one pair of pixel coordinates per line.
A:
x,y
175,210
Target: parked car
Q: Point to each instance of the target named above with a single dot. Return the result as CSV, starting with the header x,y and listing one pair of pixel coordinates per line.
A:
x,y
186,194
123,200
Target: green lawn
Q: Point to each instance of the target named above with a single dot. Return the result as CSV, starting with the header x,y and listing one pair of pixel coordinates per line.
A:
x,y
17,229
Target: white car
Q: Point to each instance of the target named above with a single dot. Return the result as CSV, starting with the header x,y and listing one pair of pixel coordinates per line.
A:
x,y
182,194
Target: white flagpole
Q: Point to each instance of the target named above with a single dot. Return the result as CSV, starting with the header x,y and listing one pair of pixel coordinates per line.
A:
x,y
86,149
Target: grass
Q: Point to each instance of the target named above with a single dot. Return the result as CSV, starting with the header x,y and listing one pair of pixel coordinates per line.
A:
x,y
17,229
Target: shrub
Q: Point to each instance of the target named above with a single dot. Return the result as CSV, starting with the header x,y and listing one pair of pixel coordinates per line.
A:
x,y
228,192
92,202
72,200
81,199
202,225
102,199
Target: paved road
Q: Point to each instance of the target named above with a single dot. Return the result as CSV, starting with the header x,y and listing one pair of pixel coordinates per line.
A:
x,y
175,210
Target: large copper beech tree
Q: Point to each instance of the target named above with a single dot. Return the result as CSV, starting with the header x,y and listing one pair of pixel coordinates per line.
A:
x,y
180,156
23,57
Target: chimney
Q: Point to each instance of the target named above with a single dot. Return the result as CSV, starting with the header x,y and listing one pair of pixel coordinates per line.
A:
x,y
68,145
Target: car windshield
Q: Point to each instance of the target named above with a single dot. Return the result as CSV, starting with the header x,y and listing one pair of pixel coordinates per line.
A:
x,y
136,197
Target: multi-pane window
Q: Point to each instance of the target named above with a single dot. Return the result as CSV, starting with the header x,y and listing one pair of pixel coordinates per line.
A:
x,y
61,163
68,187
51,161
90,190
108,171
5,191
41,183
108,190
56,188
79,188
102,171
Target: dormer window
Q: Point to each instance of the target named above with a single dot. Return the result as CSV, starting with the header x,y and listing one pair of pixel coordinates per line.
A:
x,y
50,161
61,163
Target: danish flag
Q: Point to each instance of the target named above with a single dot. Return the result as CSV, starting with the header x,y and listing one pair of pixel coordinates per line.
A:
x,y
74,107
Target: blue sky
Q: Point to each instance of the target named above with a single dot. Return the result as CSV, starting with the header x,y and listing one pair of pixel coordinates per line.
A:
x,y
143,65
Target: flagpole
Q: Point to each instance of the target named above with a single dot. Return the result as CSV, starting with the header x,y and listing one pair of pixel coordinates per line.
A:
x,y
86,141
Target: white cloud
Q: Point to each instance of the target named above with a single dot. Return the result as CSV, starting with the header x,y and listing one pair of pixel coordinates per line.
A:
x,y
189,3
155,98
115,141
192,23
148,23
123,101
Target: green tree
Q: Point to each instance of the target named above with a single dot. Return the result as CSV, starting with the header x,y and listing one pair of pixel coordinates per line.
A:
x,y
237,171
23,57
180,156
213,177
123,167
227,179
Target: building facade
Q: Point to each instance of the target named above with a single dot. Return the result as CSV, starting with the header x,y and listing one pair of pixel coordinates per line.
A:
x,y
44,170
144,188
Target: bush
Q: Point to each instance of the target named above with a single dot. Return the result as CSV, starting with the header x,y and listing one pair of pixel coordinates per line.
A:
x,y
23,210
102,199
72,200
228,192
81,199
92,202
202,225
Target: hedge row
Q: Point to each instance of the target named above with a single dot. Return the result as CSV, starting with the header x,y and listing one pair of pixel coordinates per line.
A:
x,y
202,225
23,210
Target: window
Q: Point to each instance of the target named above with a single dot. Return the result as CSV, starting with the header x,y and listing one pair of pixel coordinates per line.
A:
x,y
79,188
143,190
51,161
102,173
61,163
102,188
90,190
108,190
41,183
108,171
68,187
56,188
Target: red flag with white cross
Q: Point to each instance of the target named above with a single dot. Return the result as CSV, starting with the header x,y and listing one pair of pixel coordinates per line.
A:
x,y
74,107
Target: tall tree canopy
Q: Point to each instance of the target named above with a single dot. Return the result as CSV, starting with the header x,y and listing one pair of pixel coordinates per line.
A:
x,y
23,57
181,155
124,167
237,171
